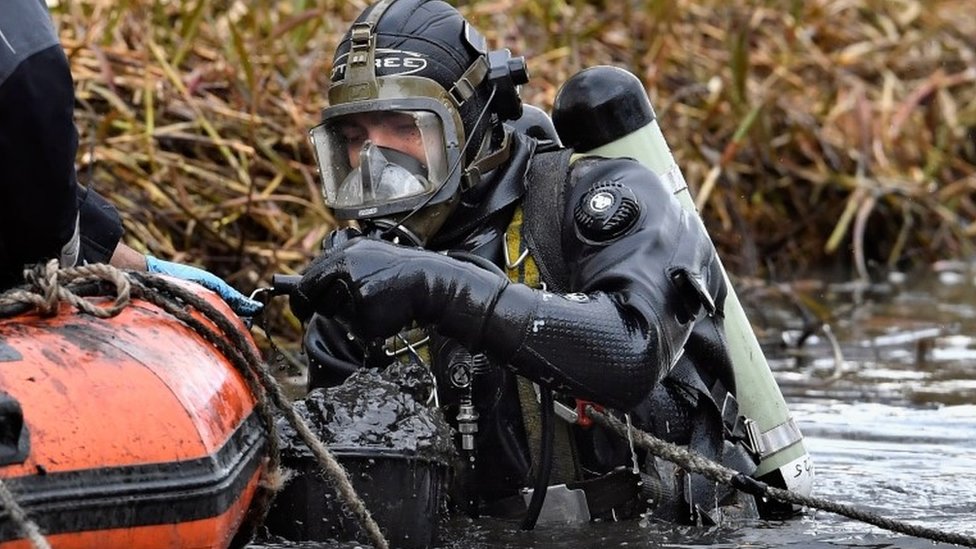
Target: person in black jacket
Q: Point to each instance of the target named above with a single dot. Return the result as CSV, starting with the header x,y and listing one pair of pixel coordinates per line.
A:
x,y
44,212
517,268
37,143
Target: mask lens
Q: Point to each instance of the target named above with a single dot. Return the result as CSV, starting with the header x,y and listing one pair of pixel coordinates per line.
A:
x,y
379,158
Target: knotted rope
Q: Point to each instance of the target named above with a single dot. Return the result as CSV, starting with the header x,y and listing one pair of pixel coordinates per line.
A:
x,y
47,287
696,463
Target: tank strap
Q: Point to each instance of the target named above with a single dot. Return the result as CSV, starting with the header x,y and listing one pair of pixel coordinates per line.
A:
x,y
722,402
521,267
767,443
546,184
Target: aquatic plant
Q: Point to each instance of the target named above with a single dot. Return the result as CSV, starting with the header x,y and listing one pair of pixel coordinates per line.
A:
x,y
812,133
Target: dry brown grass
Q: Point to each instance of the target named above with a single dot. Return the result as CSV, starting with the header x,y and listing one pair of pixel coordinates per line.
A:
x,y
814,132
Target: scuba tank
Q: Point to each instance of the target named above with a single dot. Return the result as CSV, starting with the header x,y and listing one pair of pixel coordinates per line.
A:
x,y
604,111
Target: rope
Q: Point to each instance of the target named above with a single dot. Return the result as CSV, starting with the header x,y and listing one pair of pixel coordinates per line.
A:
x,y
695,463
44,289
47,286
20,518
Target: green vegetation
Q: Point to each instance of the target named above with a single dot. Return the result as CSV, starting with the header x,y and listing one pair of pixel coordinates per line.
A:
x,y
812,133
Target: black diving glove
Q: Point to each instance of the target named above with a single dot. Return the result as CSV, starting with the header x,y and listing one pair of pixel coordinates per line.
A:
x,y
378,288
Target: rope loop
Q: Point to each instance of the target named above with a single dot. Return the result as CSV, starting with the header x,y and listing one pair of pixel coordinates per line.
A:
x,y
46,287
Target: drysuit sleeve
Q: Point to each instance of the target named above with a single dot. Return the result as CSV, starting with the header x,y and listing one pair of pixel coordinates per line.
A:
x,y
642,270
101,227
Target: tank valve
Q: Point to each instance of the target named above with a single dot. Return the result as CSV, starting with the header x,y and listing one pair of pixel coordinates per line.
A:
x,y
467,419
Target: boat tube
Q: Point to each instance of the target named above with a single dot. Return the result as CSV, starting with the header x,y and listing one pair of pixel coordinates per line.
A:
x,y
131,431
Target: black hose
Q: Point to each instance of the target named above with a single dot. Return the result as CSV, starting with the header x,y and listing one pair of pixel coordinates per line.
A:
x,y
544,471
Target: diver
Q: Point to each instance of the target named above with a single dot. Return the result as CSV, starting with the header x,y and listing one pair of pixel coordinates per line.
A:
x,y
530,282
45,212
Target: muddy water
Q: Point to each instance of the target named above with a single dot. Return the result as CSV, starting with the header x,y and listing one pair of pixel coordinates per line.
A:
x,y
886,396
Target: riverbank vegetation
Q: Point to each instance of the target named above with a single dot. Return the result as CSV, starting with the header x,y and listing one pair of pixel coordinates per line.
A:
x,y
813,134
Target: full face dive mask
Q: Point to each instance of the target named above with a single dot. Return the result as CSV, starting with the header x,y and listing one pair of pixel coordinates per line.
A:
x,y
388,167
380,162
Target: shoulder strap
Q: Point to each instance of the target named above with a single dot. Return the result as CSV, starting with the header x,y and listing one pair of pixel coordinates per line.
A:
x,y
546,183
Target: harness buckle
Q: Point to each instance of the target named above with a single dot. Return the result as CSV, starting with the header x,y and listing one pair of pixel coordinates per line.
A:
x,y
565,413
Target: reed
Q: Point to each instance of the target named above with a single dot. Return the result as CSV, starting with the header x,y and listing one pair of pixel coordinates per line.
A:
x,y
823,132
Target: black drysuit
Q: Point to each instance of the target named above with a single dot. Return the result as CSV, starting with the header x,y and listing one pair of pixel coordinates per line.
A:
x,y
631,317
40,200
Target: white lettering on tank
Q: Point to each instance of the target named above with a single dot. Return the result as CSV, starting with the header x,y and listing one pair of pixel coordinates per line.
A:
x,y
536,324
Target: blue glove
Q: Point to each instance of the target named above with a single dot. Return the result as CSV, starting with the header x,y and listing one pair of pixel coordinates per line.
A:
x,y
242,305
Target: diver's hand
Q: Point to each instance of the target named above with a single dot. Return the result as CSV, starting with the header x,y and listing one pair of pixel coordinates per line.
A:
x,y
240,303
378,288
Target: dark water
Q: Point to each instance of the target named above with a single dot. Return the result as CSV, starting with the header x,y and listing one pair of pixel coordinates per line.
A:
x,y
885,395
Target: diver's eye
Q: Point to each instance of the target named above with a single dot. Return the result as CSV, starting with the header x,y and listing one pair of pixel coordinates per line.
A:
x,y
352,134
405,130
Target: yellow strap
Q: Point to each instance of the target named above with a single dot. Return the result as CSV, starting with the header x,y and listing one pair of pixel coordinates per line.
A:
x,y
524,270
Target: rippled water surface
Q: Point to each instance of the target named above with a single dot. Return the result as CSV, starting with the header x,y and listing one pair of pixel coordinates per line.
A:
x,y
886,397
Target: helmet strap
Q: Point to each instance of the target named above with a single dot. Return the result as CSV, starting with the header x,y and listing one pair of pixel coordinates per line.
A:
x,y
467,84
484,164
361,63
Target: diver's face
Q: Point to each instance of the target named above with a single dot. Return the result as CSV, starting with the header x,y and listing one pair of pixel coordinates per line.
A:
x,y
392,130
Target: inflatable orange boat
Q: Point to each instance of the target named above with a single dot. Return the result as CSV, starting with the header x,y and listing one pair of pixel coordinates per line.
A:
x,y
129,432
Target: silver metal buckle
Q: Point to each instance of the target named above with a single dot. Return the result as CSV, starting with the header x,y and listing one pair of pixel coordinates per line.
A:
x,y
767,443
